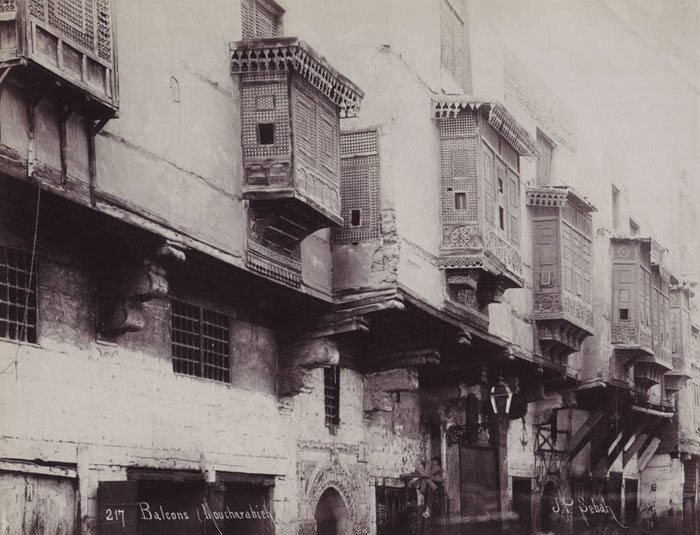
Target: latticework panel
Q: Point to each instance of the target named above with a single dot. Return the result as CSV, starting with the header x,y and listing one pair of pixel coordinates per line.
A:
x,y
86,23
317,146
17,296
265,101
462,124
359,187
200,342
459,177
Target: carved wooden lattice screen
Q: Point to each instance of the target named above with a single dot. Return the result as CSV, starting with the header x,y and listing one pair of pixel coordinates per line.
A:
x,y
359,187
460,193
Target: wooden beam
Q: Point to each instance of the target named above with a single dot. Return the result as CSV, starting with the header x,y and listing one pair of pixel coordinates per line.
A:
x,y
600,447
639,441
628,432
648,453
582,435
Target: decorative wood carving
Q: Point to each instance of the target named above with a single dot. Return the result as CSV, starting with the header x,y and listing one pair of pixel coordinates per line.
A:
x,y
562,269
297,361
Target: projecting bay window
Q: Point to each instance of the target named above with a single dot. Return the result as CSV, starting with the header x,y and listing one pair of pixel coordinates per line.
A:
x,y
291,103
66,47
562,237
481,146
681,331
641,315
200,342
18,310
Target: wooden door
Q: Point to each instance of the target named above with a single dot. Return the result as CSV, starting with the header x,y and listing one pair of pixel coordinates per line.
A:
x,y
479,489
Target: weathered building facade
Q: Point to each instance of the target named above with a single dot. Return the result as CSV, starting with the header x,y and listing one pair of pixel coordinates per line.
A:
x,y
291,269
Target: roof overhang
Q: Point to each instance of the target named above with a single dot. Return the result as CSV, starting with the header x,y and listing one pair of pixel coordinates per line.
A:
x,y
451,105
292,54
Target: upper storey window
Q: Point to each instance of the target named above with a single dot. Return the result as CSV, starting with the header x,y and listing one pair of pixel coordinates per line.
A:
x,y
17,296
545,149
261,19
480,146
452,42
72,40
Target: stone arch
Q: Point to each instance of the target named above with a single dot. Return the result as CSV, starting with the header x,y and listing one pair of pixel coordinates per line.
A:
x,y
334,476
332,517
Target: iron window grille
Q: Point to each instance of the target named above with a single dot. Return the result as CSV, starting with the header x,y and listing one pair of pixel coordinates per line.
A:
x,y
331,392
200,342
17,296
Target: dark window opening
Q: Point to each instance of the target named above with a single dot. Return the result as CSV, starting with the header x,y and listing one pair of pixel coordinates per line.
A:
x,y
331,391
501,218
460,201
17,296
355,218
624,314
200,342
500,185
266,133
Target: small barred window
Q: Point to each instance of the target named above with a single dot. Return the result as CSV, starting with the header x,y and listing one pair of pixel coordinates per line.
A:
x,y
200,342
331,383
17,296
261,19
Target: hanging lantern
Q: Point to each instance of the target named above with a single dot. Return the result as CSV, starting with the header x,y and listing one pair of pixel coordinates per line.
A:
x,y
501,396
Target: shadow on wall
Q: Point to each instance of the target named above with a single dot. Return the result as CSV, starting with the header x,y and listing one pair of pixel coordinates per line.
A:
x,y
331,515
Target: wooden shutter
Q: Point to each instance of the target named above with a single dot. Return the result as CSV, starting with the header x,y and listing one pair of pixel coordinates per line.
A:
x,y
622,297
502,196
118,508
489,187
514,207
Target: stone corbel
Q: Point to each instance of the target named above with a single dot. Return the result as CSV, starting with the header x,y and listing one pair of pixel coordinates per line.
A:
x,y
381,386
297,361
121,305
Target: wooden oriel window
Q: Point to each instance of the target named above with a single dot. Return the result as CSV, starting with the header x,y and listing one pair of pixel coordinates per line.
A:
x,y
331,395
200,342
18,311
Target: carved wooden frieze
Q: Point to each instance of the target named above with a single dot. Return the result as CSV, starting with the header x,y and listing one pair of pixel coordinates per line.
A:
x,y
562,237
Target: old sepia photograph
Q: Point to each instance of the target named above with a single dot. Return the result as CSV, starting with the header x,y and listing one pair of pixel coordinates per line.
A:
x,y
349,267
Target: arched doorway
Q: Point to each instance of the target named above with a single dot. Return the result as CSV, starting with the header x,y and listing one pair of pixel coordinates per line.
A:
x,y
331,514
548,503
